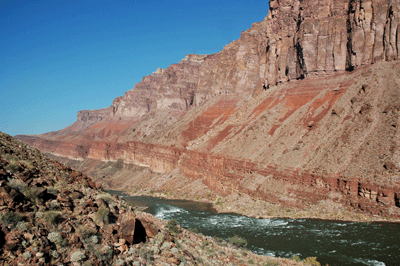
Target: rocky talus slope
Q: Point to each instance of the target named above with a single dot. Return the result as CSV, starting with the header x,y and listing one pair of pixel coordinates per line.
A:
x,y
300,113
53,215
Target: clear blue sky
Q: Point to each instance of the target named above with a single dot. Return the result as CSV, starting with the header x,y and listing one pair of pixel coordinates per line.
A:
x,y
61,56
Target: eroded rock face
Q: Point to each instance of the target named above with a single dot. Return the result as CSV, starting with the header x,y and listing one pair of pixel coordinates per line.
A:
x,y
330,124
167,89
373,30
310,37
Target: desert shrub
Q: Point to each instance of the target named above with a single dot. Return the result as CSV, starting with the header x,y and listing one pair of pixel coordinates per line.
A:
x,y
27,164
62,183
11,218
106,197
159,238
51,217
104,254
311,261
219,201
182,259
218,239
172,227
221,242
39,214
24,243
102,215
23,226
54,254
27,255
205,243
17,184
272,263
146,254
57,239
94,239
120,262
86,232
13,165
238,241
52,190
31,193
54,205
78,256
194,230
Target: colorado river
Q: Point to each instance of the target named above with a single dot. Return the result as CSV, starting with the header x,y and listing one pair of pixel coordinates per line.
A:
x,y
332,242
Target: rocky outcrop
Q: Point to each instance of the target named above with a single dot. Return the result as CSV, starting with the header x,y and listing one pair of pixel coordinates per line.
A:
x,y
51,215
313,37
90,117
85,119
167,89
373,32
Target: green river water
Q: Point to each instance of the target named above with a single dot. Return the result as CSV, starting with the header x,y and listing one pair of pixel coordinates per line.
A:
x,y
332,242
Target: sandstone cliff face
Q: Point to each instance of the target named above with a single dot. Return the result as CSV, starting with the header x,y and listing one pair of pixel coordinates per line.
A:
x,y
234,121
169,89
311,37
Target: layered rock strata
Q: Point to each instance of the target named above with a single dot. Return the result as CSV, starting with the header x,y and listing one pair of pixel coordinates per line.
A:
x,y
234,121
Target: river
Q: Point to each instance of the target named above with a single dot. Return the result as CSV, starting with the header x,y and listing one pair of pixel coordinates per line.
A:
x,y
332,242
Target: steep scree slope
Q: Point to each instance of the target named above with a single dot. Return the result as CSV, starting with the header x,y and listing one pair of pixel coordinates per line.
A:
x,y
52,215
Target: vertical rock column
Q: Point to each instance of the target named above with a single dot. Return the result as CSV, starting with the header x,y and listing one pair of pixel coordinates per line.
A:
x,y
373,31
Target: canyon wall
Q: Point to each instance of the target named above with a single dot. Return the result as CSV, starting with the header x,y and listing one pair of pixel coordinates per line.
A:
x,y
303,108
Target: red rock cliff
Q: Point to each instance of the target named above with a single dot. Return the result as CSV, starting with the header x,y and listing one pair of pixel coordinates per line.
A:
x,y
308,99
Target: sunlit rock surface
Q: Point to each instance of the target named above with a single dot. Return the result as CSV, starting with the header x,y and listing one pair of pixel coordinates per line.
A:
x,y
304,107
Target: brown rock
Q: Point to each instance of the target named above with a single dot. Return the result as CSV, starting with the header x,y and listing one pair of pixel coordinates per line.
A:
x,y
76,195
102,203
12,240
121,242
89,203
67,227
173,260
74,240
28,236
123,248
9,195
132,230
127,230
151,229
63,199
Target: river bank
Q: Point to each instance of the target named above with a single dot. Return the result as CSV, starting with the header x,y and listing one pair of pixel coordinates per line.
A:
x,y
245,205
331,242
141,181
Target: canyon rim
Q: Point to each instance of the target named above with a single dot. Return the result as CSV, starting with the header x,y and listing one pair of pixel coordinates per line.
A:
x,y
299,117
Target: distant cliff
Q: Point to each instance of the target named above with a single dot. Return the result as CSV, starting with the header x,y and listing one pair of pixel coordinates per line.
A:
x,y
303,108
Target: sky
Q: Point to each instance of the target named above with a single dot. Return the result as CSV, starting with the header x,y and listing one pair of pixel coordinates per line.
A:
x,y
58,57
